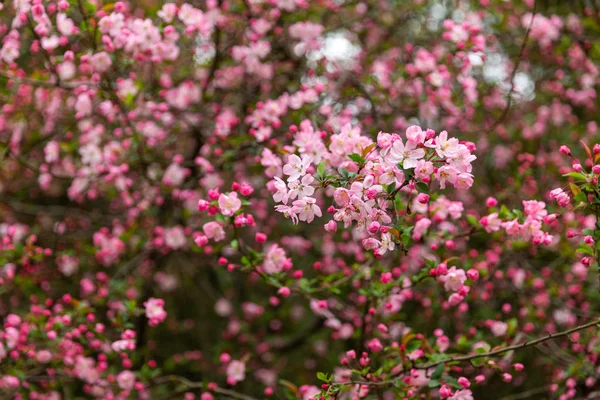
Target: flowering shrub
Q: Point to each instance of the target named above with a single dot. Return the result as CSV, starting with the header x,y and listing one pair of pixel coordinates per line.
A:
x,y
299,199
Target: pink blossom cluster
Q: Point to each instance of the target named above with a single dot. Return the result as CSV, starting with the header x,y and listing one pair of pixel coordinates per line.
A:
x,y
367,199
530,229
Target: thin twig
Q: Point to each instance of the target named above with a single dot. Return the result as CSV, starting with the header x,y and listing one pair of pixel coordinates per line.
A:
x,y
514,72
482,355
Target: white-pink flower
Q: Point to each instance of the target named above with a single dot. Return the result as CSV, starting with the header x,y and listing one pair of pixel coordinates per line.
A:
x,y
276,260
296,167
443,146
229,204
306,209
236,371
454,279
407,154
214,230
155,311
126,380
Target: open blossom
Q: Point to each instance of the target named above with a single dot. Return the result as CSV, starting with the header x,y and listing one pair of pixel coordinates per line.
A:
x,y
445,174
126,380
306,209
386,244
281,194
301,188
229,204
443,146
214,230
155,311
562,198
464,394
406,154
276,260
236,371
454,279
499,328
296,167
491,223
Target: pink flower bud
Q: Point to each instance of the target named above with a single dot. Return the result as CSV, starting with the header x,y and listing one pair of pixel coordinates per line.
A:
x,y
203,205
374,227
386,277
375,345
565,150
261,237
518,367
224,358
491,202
464,382
331,226
473,274
423,198
284,291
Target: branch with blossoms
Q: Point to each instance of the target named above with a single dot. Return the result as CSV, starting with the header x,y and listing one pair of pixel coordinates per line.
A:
x,y
368,180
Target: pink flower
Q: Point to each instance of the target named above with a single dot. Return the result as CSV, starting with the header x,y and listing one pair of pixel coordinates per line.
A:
x,y
306,209
168,12
454,279
407,155
491,223
464,394
64,24
296,167
276,260
499,328
101,61
229,204
375,346
281,195
236,371
175,175
560,196
301,188
443,146
420,228
126,380
43,356
445,174
214,230
423,169
155,311
415,134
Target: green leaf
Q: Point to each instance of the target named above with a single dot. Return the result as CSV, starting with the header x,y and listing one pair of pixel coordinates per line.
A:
x,y
391,187
357,158
422,187
472,220
437,373
433,383
343,172
576,175
580,197
585,250
322,376
413,345
321,168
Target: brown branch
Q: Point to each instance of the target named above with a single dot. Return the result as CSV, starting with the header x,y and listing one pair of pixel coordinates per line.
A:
x,y
481,355
49,83
514,72
199,385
